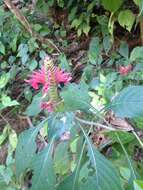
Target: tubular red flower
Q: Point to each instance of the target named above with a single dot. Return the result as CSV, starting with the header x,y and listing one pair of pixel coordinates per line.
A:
x,y
42,77
37,78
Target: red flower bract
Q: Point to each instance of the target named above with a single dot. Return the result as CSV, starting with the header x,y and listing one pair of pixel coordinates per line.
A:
x,y
42,77
47,106
124,70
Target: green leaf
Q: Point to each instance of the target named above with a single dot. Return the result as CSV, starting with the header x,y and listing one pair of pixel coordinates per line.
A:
x,y
112,5
32,45
34,108
13,140
62,158
64,63
76,97
139,122
138,185
136,54
107,43
5,175
4,78
124,50
25,150
138,2
4,135
23,53
2,48
32,64
59,125
43,172
125,173
126,19
129,102
7,102
89,184
106,177
133,174
94,50
67,183
86,28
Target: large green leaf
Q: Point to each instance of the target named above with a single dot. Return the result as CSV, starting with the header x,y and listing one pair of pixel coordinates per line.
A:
x,y
126,19
72,182
94,50
76,97
58,125
106,177
136,54
138,185
112,5
129,102
25,149
34,108
43,172
67,183
62,158
89,184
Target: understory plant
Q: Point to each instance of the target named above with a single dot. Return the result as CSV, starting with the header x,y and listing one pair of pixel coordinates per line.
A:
x,y
68,73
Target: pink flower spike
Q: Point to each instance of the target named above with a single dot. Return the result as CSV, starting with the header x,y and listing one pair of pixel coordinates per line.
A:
x,y
43,77
47,106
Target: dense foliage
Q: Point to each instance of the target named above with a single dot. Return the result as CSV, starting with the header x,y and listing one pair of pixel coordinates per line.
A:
x,y
71,95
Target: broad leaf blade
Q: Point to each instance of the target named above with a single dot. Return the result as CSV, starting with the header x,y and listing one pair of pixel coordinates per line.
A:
x,y
138,185
76,97
112,5
67,183
106,176
129,102
126,19
25,149
43,172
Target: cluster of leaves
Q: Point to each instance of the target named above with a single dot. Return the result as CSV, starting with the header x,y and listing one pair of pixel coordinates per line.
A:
x,y
82,14
58,153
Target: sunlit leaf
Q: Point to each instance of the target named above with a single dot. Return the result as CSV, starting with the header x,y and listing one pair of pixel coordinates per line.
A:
x,y
138,185
112,5
126,19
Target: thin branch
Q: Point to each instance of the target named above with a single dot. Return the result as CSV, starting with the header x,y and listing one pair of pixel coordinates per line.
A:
x,y
95,124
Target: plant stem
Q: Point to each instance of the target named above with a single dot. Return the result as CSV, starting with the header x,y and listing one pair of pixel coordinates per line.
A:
x,y
138,138
94,124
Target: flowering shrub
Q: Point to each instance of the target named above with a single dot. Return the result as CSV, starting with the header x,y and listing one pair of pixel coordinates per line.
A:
x,y
75,122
